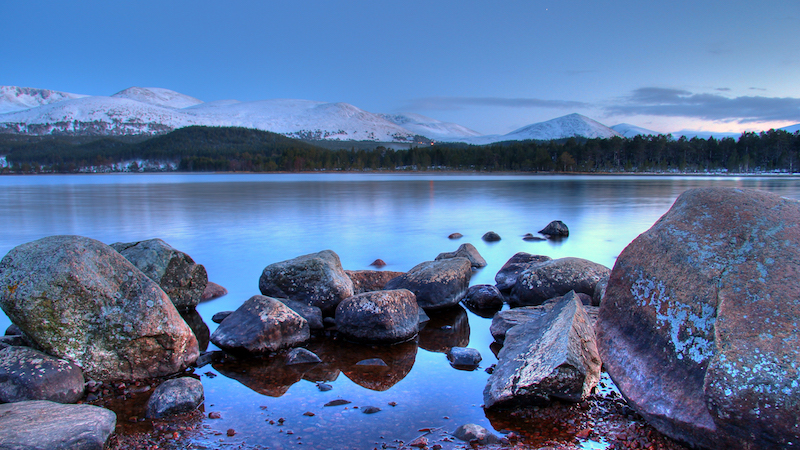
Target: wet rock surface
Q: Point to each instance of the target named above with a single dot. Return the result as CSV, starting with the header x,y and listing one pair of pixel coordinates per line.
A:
x,y
555,228
484,297
261,325
465,251
436,284
317,279
80,300
28,374
174,271
549,279
175,396
383,317
370,280
507,276
698,326
49,425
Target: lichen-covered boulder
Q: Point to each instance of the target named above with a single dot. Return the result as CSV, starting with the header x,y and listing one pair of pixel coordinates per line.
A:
x,y
549,279
465,251
699,324
507,276
176,273
316,279
384,317
28,374
370,280
436,284
40,424
79,300
550,357
261,325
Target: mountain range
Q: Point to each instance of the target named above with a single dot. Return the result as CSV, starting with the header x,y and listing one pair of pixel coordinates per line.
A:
x,y
152,111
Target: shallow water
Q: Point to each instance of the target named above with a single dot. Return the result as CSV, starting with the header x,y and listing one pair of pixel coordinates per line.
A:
x,y
236,224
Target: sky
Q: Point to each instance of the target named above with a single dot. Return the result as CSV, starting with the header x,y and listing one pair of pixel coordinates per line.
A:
x,y
492,66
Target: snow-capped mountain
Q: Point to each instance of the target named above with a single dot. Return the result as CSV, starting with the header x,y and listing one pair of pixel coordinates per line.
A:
x,y
158,97
627,130
571,125
14,98
430,128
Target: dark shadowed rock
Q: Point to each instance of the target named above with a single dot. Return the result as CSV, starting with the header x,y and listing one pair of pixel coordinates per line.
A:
x,y
220,316
28,374
316,279
550,357
198,326
176,273
48,425
506,278
384,317
437,284
455,236
212,291
370,280
261,325
471,432
465,251
464,358
530,237
600,290
301,356
483,297
13,330
446,329
175,396
79,300
491,236
312,314
555,228
698,327
554,278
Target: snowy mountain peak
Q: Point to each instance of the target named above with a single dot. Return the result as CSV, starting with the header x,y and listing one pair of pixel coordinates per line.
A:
x,y
627,130
15,98
571,125
158,96
430,128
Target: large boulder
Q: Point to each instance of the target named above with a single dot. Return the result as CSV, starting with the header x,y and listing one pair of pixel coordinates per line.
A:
x,y
545,280
505,320
28,374
79,300
550,357
507,277
370,280
437,284
42,424
312,314
384,317
698,326
316,279
465,251
261,325
176,273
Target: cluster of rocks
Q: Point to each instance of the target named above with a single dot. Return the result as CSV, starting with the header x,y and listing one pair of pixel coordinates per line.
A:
x,y
85,313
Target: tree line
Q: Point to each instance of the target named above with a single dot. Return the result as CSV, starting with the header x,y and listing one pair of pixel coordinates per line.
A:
x,y
201,149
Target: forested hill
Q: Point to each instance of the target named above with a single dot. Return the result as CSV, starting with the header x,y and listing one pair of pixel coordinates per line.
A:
x,y
242,149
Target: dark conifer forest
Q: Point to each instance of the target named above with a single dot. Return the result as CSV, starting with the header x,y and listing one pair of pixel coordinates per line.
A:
x,y
230,149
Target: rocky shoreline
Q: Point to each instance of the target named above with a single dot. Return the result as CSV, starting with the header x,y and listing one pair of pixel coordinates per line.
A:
x,y
672,324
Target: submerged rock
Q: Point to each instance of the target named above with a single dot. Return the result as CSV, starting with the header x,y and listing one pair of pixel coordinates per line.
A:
x,y
316,279
48,425
261,325
465,251
436,284
464,358
698,326
28,374
549,279
550,357
471,432
176,273
79,300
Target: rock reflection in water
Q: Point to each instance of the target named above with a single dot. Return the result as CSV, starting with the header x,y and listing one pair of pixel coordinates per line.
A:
x,y
268,375
447,328
198,326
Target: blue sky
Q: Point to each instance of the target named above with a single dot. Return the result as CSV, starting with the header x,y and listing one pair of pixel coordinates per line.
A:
x,y
491,66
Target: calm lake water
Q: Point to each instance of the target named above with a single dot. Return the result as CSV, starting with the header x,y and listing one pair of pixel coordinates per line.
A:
x,y
236,224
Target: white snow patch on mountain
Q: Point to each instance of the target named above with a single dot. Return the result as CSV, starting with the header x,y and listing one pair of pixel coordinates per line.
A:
x,y
428,127
15,98
158,97
572,125
627,130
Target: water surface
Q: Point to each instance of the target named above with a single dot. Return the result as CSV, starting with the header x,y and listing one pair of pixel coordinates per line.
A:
x,y
237,224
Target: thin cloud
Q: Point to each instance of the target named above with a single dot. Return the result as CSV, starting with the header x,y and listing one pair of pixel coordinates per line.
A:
x,y
723,89
453,103
653,101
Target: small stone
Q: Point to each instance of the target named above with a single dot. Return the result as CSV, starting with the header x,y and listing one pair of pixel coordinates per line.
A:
x,y
231,432
455,236
324,387
309,414
338,402
370,409
378,263
392,403
220,316
491,236
214,415
420,442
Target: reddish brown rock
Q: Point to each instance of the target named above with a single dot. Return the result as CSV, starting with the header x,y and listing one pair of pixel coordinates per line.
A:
x,y
378,263
698,327
212,291
385,317
370,280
